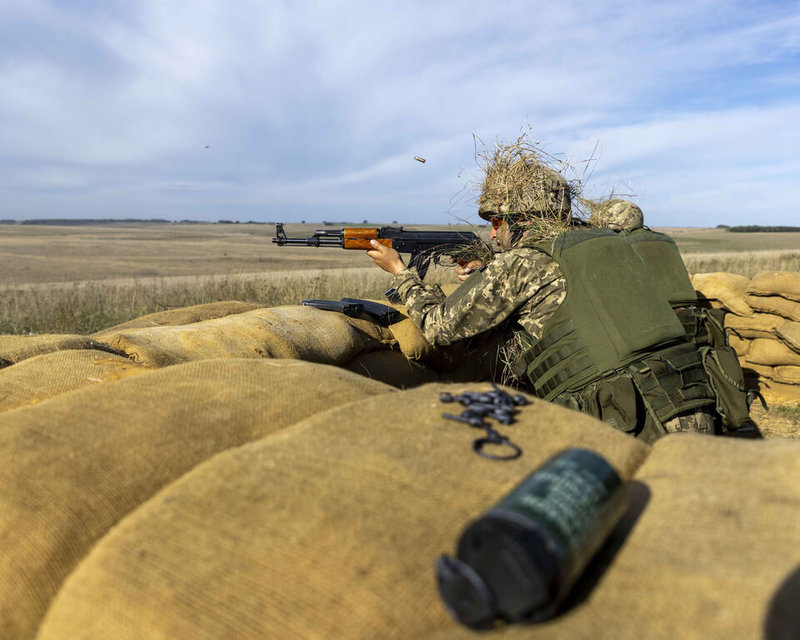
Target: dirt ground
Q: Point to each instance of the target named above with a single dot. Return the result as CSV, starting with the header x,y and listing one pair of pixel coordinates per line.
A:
x,y
777,422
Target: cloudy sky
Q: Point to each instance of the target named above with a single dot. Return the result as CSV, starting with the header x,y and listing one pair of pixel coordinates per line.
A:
x,y
314,109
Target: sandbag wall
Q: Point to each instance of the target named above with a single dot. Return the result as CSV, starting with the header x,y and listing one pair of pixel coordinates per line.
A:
x,y
763,323
189,477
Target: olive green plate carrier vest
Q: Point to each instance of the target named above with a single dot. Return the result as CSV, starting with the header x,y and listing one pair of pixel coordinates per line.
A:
x,y
704,327
614,348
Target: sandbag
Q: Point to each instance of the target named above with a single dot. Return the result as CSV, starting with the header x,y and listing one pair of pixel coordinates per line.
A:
x,y
41,377
788,375
789,334
777,305
772,352
740,346
776,283
713,550
16,348
759,325
329,529
76,464
183,315
727,288
393,368
761,370
296,332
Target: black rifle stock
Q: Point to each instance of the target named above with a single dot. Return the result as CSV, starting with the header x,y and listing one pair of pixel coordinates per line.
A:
x,y
424,247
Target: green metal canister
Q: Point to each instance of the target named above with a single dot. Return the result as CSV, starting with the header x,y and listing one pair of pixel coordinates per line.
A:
x,y
518,561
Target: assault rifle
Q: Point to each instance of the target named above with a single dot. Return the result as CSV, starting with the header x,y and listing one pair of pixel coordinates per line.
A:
x,y
424,246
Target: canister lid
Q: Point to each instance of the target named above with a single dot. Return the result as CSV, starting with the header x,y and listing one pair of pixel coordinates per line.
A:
x,y
465,594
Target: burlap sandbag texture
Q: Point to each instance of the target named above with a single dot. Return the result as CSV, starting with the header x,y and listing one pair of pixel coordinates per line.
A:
x,y
393,368
328,529
77,463
41,377
729,289
17,348
776,283
759,325
295,332
775,305
789,334
772,353
714,553
183,315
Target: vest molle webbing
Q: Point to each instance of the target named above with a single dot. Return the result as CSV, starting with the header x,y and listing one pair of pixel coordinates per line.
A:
x,y
613,316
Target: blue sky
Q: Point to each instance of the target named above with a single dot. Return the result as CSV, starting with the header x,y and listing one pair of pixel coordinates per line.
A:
x,y
314,110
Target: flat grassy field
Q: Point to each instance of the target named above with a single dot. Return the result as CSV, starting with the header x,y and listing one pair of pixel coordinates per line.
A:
x,y
82,278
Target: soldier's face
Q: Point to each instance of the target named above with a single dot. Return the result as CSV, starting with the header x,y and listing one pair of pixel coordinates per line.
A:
x,y
501,233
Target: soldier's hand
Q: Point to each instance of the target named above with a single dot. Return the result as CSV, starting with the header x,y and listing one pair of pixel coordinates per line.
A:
x,y
463,271
385,257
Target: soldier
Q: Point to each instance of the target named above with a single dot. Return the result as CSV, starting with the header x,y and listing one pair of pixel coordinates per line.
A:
x,y
584,322
704,327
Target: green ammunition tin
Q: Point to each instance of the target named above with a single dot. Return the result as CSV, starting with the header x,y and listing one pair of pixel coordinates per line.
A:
x,y
518,561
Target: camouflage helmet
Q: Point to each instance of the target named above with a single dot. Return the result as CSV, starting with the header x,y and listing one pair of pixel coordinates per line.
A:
x,y
617,215
524,187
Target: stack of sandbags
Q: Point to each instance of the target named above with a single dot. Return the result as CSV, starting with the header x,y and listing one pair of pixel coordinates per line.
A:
x,y
762,320
774,350
78,462
331,528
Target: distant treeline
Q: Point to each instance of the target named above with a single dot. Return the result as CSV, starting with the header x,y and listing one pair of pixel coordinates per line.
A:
x,y
756,228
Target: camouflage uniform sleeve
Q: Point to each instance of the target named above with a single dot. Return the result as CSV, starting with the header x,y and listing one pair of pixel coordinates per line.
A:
x,y
512,281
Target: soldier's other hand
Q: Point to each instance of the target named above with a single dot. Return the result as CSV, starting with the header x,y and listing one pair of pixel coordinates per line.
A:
x,y
464,271
385,257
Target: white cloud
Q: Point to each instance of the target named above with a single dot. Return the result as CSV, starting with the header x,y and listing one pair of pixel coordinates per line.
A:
x,y
324,103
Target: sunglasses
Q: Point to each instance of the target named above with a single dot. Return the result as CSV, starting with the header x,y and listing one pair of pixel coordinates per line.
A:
x,y
496,223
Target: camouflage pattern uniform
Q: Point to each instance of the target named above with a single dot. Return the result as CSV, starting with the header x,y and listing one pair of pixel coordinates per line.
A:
x,y
521,286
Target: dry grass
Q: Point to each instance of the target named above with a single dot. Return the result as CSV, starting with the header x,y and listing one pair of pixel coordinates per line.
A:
x,y
519,179
87,307
82,279
746,263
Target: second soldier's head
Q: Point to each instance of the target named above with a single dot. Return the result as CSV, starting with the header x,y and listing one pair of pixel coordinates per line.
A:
x,y
616,214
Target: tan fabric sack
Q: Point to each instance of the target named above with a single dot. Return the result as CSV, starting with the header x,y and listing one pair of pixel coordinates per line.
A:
x,y
777,305
329,529
41,377
183,315
740,346
296,332
759,325
727,288
776,283
773,353
74,465
761,370
16,348
788,375
789,334
393,368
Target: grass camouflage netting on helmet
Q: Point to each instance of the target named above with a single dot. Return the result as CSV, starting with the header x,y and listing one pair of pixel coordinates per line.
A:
x,y
519,184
